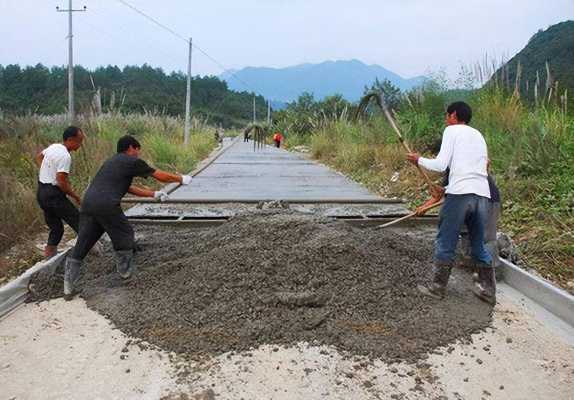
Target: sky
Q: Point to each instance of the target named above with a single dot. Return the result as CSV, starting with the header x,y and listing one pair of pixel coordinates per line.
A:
x,y
409,37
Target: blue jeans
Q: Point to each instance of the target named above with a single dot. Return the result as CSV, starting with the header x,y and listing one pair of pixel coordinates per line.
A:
x,y
459,209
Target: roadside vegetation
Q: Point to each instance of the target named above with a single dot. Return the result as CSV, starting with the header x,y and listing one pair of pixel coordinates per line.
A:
x,y
22,137
531,146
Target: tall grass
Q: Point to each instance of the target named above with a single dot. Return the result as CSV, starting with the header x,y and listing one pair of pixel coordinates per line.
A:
x,y
22,138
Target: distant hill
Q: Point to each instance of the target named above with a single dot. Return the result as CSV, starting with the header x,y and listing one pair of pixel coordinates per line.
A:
x,y
347,78
554,45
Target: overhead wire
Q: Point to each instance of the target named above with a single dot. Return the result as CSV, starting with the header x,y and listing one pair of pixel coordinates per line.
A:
x,y
195,46
211,111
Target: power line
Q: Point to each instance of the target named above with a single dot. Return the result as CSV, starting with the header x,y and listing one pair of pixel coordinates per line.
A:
x,y
211,111
177,35
114,35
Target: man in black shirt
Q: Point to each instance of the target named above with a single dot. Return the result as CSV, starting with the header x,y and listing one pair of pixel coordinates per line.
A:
x,y
101,210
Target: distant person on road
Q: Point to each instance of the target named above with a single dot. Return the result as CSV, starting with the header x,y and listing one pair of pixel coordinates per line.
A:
x,y
278,138
246,136
463,150
101,210
54,187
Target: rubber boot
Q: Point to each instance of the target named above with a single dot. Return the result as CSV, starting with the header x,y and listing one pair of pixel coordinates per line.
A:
x,y
72,270
485,288
437,288
124,263
492,248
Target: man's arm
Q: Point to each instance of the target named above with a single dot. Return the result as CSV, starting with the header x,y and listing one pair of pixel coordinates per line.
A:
x,y
64,185
442,160
145,192
167,177
435,198
39,158
141,192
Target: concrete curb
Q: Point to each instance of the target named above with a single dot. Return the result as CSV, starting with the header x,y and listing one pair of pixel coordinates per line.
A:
x,y
14,292
555,300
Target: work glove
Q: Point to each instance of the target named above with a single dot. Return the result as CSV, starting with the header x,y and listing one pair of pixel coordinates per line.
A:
x,y
160,195
185,179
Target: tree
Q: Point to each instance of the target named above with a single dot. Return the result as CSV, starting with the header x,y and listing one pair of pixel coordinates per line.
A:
x,y
42,90
391,93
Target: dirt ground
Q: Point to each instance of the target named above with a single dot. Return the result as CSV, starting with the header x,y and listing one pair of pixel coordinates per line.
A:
x,y
18,258
281,278
65,351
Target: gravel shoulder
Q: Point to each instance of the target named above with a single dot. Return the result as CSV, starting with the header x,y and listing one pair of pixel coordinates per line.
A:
x,y
64,350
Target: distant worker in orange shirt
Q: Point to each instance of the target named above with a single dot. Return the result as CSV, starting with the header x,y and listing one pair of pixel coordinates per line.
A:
x,y
278,138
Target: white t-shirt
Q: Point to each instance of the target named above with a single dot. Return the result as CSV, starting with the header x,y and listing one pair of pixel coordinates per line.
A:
x,y
56,159
463,150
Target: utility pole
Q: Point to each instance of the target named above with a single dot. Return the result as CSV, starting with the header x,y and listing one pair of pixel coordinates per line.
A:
x,y
254,115
268,112
70,11
188,98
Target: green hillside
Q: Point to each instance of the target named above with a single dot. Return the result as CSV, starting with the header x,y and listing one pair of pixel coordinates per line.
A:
x,y
554,45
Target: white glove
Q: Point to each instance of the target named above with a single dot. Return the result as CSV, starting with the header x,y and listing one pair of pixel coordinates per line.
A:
x,y
161,195
185,179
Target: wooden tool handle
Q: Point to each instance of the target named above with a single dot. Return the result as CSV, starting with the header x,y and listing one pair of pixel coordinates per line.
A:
x,y
396,221
402,140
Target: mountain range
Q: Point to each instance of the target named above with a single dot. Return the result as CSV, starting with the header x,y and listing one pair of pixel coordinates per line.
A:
x,y
347,78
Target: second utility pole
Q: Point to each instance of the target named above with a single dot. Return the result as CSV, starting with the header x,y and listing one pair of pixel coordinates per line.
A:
x,y
71,111
188,99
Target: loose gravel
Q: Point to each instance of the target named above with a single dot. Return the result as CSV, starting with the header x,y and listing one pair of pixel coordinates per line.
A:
x,y
280,277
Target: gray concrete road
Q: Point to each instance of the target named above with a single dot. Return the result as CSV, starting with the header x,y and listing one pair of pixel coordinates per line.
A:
x,y
269,173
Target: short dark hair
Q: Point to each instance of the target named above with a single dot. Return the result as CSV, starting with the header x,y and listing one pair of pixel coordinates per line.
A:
x,y
70,132
463,111
125,142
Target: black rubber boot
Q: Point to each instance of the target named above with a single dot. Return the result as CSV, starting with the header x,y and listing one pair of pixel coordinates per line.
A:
x,y
485,288
72,269
124,263
437,288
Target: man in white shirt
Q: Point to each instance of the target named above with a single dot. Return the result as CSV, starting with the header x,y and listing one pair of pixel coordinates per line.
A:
x,y
53,187
463,151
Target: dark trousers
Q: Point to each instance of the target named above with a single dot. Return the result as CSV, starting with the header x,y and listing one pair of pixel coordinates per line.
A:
x,y
57,208
278,143
93,226
458,209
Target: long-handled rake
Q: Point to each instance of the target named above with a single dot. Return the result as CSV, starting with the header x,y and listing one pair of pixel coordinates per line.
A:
x,y
380,100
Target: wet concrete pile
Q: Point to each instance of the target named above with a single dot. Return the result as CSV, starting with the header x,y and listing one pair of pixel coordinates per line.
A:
x,y
281,278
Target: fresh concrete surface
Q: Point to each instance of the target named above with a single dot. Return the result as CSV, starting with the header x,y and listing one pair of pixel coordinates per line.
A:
x,y
63,350
269,174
